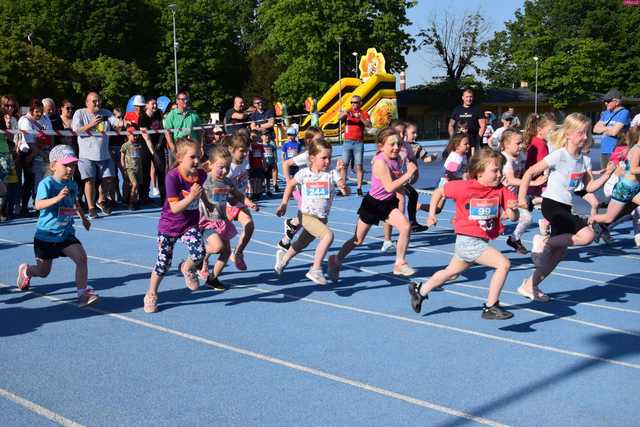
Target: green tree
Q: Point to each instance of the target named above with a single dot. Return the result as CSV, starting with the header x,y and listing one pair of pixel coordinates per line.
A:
x,y
584,46
300,37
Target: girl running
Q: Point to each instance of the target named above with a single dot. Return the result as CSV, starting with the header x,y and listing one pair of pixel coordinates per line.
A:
x,y
480,203
455,165
179,220
381,204
317,187
57,201
236,210
216,228
567,168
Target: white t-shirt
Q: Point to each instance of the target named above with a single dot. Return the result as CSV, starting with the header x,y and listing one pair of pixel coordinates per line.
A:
x,y
301,159
239,174
497,135
565,175
455,166
515,165
636,121
317,191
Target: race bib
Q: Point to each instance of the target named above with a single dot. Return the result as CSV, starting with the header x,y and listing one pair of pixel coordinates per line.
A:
x,y
317,189
483,209
220,195
575,178
193,206
257,153
64,215
291,152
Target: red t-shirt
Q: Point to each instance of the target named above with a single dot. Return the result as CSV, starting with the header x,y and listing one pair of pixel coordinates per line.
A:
x,y
478,208
256,156
354,129
536,151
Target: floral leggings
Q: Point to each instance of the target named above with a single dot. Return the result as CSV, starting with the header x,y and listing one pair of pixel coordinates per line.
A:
x,y
192,238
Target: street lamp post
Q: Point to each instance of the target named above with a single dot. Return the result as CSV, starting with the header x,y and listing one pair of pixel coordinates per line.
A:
x,y
355,57
535,98
173,7
339,40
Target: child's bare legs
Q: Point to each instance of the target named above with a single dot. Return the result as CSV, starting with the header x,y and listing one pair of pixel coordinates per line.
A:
x,y
154,283
358,238
133,198
455,267
399,221
274,176
593,203
386,229
496,260
41,269
78,255
244,218
215,245
321,250
613,210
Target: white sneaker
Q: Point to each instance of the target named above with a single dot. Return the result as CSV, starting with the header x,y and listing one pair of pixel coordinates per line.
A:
x,y
155,192
280,264
387,246
637,240
316,277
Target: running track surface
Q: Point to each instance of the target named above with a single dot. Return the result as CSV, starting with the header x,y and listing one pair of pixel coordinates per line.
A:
x,y
283,351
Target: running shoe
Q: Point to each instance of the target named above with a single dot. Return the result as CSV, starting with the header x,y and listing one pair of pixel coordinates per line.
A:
x,y
203,274
416,298
150,303
334,268
606,235
87,296
105,207
418,228
215,284
387,246
597,232
23,278
536,295
403,270
517,245
280,264
495,312
238,259
155,192
93,213
316,277
290,228
359,191
190,277
284,245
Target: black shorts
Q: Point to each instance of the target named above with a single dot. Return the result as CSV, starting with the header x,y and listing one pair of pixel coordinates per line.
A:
x,y
52,250
560,217
372,210
256,173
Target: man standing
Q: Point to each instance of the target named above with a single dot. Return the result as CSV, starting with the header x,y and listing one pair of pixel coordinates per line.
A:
x,y
516,120
261,120
180,121
235,114
472,115
94,160
356,120
49,111
614,119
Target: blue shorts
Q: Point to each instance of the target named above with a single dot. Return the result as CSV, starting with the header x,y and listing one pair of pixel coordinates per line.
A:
x,y
353,150
624,190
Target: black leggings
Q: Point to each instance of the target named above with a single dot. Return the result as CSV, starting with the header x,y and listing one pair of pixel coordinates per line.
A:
x,y
412,206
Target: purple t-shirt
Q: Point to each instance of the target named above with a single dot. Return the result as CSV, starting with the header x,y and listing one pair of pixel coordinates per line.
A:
x,y
178,187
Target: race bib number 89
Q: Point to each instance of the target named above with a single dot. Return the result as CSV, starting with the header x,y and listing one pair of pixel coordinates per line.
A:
x,y
483,209
317,190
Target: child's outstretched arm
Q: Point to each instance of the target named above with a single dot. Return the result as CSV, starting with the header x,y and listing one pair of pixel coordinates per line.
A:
x,y
282,209
245,200
525,181
592,185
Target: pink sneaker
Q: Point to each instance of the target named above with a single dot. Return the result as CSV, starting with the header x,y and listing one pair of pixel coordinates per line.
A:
x,y
23,278
87,296
150,303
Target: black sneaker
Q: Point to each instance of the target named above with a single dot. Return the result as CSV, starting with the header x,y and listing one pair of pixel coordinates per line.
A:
x,y
284,246
93,213
495,312
359,191
416,298
290,229
517,245
105,207
418,228
215,284
597,231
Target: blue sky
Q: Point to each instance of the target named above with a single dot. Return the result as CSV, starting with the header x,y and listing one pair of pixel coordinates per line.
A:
x,y
422,65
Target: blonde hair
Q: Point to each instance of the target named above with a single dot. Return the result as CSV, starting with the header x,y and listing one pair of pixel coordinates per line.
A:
x,y
572,123
481,159
182,144
312,134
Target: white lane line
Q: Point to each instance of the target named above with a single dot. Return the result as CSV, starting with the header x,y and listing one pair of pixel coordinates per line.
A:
x,y
280,362
37,409
396,317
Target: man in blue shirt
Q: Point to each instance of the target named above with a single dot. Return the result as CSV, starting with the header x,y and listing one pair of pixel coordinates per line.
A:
x,y
613,120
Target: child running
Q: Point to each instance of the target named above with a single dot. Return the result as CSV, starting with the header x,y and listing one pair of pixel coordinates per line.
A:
x,y
480,202
271,166
216,228
627,188
455,165
179,220
567,168
57,201
317,188
381,204
236,209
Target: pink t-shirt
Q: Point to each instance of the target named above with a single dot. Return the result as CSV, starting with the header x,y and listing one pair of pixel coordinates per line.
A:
x,y
377,190
478,208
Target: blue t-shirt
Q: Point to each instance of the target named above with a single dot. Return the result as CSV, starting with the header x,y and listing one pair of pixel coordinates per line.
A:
x,y
611,118
55,223
291,149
